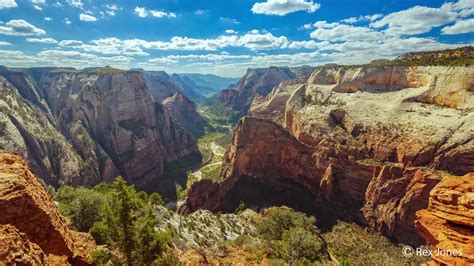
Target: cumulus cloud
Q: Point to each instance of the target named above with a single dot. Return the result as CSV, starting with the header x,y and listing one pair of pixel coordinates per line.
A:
x,y
343,32
162,14
352,20
111,9
87,18
143,12
70,43
415,20
42,40
20,27
76,3
230,31
462,26
284,7
2,43
48,18
67,21
7,4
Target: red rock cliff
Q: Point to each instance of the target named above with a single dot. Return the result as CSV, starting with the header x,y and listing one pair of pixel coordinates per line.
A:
x,y
32,230
448,222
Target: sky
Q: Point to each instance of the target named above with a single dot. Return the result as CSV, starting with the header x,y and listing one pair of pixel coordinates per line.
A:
x,y
225,37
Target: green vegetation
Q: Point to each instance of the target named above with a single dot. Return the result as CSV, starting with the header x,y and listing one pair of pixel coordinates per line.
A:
x,y
83,206
292,237
118,216
354,245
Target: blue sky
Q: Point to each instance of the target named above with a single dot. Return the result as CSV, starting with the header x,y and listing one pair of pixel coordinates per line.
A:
x,y
225,37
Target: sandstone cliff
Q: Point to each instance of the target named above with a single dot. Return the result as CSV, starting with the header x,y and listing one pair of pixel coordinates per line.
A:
x,y
448,222
117,111
254,82
33,232
97,125
364,143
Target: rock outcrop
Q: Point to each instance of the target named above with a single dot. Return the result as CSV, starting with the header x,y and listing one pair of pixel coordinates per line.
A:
x,y
33,232
361,143
97,125
448,222
25,129
184,111
254,82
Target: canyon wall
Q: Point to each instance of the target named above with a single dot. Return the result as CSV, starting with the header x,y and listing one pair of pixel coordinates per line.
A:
x,y
98,124
365,144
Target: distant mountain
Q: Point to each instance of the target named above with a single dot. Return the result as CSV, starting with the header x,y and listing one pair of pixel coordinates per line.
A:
x,y
209,84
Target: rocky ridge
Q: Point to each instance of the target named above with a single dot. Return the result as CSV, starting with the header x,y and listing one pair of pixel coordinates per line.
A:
x,y
364,143
33,232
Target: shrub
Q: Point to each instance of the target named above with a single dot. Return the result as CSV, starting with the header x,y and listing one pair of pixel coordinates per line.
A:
x,y
82,205
275,221
299,244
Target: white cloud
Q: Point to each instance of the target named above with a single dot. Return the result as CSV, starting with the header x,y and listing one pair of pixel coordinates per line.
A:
x,y
230,31
7,4
232,21
162,14
141,11
67,21
70,43
111,9
321,24
37,4
415,20
20,27
362,18
343,32
201,12
2,43
257,41
464,8
462,26
42,40
76,3
87,18
48,18
284,7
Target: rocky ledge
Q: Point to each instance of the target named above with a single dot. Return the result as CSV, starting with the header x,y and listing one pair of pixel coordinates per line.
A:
x,y
32,232
448,222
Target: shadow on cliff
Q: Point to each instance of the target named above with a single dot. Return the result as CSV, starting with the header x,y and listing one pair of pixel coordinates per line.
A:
x,y
174,173
260,193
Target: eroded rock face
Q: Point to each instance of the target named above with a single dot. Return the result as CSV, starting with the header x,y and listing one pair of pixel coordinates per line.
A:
x,y
255,82
184,111
359,142
35,231
25,129
448,222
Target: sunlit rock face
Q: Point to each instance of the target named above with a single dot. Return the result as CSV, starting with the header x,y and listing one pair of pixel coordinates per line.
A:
x,y
366,144
448,222
33,232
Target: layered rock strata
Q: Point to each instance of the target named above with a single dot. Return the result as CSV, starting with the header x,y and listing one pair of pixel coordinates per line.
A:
x,y
448,222
362,143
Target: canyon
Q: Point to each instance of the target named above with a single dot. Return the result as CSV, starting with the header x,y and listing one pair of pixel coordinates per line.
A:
x,y
84,127
358,143
388,146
